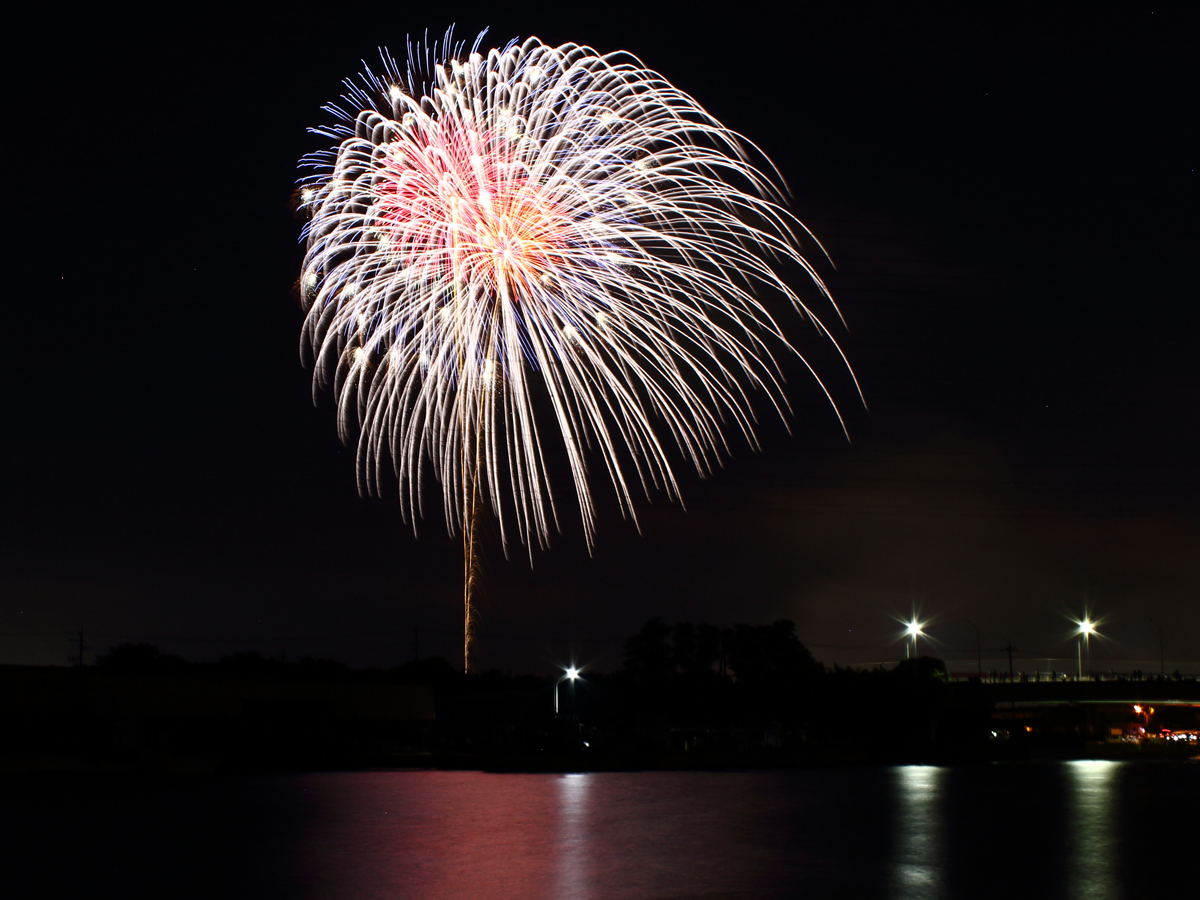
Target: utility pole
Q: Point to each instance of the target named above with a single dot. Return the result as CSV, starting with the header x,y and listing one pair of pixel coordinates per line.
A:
x,y
978,650
416,643
1012,696
78,660
1162,662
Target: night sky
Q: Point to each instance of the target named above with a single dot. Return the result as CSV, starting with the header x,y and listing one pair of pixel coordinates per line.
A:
x,y
1009,198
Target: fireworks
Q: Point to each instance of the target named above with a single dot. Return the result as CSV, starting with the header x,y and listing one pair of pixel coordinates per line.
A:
x,y
539,227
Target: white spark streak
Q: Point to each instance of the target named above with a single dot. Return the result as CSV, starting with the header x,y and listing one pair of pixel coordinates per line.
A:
x,y
540,222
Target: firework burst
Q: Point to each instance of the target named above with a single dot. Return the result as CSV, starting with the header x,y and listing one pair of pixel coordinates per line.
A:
x,y
538,225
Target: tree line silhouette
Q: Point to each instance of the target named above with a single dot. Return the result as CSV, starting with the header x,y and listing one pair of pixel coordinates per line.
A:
x,y
686,695
706,692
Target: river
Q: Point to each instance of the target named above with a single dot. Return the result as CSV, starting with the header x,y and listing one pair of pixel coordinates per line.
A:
x,y
1082,829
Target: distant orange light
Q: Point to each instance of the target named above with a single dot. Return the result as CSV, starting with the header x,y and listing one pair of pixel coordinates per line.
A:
x,y
1137,709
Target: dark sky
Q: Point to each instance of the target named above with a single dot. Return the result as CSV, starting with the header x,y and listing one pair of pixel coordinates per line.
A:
x,y
1009,197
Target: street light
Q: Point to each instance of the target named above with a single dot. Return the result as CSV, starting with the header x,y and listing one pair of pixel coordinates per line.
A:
x,y
913,631
1085,628
571,674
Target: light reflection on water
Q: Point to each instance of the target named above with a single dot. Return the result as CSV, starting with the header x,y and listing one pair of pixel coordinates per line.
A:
x,y
1087,830
479,835
1048,830
907,832
1092,872
572,860
917,868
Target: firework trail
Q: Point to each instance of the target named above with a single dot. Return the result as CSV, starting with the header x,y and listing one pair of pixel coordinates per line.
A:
x,y
538,225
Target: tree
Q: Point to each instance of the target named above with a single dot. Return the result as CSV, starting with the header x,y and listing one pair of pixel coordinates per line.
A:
x,y
139,658
648,657
768,656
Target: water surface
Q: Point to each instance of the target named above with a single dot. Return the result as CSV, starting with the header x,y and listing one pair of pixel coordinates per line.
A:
x,y
1064,830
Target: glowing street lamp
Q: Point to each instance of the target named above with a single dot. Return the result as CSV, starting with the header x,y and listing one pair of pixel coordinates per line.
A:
x,y
913,630
571,674
1084,629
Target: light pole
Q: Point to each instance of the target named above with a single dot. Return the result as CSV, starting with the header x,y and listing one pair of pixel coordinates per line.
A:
x,y
1086,628
913,631
571,673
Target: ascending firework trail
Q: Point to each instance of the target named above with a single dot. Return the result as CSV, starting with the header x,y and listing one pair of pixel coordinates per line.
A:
x,y
538,221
